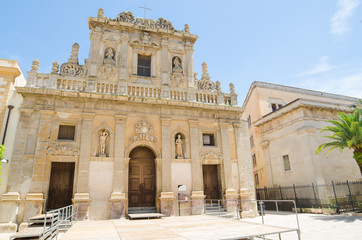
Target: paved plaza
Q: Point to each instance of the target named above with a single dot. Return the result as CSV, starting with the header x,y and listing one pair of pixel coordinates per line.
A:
x,y
313,227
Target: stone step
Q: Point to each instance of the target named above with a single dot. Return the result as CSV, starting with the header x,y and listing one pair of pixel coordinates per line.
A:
x,y
145,216
138,210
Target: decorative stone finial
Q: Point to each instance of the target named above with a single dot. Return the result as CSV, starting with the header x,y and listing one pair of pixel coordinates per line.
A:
x,y
232,88
205,74
74,57
100,13
55,67
35,66
187,28
218,86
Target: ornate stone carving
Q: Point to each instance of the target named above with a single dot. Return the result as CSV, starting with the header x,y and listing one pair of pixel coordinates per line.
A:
x,y
232,88
218,86
144,130
66,149
107,71
35,66
210,155
205,83
109,56
146,38
72,67
55,67
100,13
187,28
129,18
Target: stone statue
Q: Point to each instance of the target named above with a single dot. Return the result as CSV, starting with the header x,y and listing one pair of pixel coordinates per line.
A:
x,y
179,143
102,142
109,57
177,65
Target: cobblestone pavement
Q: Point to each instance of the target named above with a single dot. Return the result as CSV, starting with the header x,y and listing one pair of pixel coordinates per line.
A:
x,y
313,227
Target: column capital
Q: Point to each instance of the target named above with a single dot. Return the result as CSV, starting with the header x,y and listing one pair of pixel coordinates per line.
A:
x,y
193,123
165,121
120,117
237,125
26,111
88,116
44,113
224,124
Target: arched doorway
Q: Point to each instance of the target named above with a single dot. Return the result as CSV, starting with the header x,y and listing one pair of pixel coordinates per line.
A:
x,y
142,178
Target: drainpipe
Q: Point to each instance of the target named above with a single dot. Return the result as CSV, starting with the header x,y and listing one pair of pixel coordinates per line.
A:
x,y
10,107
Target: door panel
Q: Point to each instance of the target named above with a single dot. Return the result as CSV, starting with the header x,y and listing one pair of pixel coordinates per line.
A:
x,y
61,185
211,182
142,178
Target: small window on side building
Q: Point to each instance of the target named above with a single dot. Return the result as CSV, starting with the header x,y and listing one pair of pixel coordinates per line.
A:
x,y
256,177
66,132
254,160
249,121
251,141
286,163
208,139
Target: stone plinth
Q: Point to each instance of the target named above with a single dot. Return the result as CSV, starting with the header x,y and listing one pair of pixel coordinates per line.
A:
x,y
34,204
231,200
8,205
167,200
83,201
197,204
118,204
247,208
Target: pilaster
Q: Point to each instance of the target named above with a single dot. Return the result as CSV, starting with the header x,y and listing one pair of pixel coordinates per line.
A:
x,y
166,155
83,201
39,177
196,169
123,56
118,205
168,201
224,127
164,62
94,52
118,172
190,66
197,202
8,205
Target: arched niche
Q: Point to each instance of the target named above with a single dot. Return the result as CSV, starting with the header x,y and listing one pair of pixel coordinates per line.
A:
x,y
109,147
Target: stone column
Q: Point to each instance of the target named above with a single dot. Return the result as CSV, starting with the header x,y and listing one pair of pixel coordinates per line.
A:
x,y
118,198
190,66
164,62
246,193
197,193
94,53
167,198
81,197
123,58
39,180
230,193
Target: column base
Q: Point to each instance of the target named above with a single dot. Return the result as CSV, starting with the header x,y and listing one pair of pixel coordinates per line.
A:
x,y
34,205
83,201
248,209
197,203
231,200
167,200
118,205
8,207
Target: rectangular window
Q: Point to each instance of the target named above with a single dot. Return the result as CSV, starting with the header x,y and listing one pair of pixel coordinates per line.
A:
x,y
208,139
251,141
254,160
144,66
256,177
274,107
249,121
286,163
66,132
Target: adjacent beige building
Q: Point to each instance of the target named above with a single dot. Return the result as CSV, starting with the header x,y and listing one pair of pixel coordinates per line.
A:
x,y
126,128
284,130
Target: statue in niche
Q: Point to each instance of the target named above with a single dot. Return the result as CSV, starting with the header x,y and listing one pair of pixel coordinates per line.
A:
x,y
179,144
109,57
176,65
102,143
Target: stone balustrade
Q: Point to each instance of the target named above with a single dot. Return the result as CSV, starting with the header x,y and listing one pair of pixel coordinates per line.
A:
x,y
67,83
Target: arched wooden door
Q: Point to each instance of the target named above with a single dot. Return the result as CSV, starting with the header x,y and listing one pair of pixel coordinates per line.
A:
x,y
142,178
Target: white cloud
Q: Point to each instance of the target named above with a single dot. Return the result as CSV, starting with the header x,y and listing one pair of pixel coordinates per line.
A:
x,y
339,21
321,67
343,80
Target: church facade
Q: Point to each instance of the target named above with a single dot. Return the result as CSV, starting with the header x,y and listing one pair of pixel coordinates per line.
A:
x,y
127,128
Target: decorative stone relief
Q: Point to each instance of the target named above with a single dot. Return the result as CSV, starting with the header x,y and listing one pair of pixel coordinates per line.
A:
x,y
66,149
210,155
55,67
72,67
144,130
205,83
129,18
176,76
108,69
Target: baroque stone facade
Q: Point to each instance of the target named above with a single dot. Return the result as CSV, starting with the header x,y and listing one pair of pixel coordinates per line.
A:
x,y
136,98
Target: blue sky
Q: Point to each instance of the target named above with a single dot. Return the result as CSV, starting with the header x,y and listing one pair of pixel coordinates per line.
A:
x,y
312,44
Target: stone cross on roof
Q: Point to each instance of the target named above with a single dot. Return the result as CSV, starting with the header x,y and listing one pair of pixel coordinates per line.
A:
x,y
145,9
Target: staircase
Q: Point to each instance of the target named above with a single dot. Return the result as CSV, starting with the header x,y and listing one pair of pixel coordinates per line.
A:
x,y
216,209
143,213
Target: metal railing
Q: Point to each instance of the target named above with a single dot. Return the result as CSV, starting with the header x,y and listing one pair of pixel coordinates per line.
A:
x,y
58,220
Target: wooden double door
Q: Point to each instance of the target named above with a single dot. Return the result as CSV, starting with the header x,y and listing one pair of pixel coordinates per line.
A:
x,y
211,181
61,185
142,178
